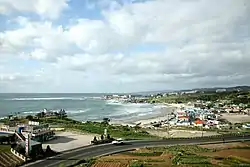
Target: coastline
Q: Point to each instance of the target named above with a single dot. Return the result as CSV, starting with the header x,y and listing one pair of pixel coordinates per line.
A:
x,y
165,115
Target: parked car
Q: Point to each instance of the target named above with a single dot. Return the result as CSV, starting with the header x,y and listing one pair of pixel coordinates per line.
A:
x,y
117,141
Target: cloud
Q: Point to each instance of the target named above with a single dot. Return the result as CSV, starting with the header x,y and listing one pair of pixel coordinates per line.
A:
x,y
45,8
36,40
205,42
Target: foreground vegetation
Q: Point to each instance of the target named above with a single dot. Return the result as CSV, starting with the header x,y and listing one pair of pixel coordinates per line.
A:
x,y
190,155
125,132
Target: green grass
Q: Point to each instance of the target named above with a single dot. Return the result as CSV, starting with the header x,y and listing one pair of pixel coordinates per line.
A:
x,y
5,148
190,159
98,128
186,154
136,164
186,149
233,161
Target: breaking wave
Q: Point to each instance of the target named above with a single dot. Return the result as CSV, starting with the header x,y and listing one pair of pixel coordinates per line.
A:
x,y
30,112
46,98
73,112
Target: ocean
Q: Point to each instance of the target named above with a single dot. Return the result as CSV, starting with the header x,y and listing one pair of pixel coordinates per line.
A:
x,y
81,107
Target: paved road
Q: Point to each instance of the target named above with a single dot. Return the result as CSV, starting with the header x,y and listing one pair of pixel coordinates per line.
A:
x,y
69,158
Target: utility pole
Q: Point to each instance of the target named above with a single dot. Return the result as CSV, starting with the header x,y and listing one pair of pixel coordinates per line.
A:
x,y
202,130
168,124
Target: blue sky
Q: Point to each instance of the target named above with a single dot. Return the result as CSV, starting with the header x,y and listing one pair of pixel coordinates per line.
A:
x,y
123,45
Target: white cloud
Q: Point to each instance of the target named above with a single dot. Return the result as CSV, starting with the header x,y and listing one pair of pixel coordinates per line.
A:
x,y
206,43
45,8
38,40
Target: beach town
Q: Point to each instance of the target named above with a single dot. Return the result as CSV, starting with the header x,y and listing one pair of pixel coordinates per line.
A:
x,y
195,118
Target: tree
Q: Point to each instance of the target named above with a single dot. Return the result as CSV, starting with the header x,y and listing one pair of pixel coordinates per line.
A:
x,y
29,117
3,139
10,116
20,149
106,120
102,137
95,139
108,136
40,115
48,149
62,113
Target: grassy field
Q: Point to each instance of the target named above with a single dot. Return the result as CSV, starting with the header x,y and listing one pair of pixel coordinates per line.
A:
x,y
230,154
125,132
4,148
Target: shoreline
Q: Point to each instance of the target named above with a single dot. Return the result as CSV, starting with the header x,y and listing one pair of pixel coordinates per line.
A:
x,y
164,115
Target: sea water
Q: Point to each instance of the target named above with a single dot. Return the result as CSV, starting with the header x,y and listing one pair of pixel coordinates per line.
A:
x,y
81,107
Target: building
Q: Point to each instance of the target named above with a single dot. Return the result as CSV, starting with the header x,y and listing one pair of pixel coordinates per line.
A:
x,y
39,133
220,90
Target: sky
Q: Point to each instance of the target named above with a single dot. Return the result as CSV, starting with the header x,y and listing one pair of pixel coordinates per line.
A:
x,y
95,46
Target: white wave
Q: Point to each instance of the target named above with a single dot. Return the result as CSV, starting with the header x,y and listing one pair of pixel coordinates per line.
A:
x,y
131,110
94,97
30,112
114,102
46,98
137,109
76,111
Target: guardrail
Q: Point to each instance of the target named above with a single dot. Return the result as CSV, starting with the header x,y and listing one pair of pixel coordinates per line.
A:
x,y
22,157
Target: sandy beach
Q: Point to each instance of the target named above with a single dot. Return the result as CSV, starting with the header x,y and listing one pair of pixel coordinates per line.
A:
x,y
169,109
69,140
236,118
179,106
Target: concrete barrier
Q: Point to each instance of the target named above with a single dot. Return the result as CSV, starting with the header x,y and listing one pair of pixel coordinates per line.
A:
x,y
22,157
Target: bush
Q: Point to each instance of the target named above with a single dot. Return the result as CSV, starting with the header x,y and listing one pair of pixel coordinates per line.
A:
x,y
187,149
190,159
234,161
136,164
29,117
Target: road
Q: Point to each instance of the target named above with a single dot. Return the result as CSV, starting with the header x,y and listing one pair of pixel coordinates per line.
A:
x,y
71,157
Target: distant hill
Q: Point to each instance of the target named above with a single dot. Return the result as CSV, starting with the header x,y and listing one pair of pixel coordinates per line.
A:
x,y
152,92
228,89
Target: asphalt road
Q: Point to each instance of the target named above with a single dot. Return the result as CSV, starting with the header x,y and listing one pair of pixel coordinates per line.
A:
x,y
71,157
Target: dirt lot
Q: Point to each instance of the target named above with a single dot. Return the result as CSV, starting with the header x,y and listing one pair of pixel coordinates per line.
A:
x,y
226,145
245,154
236,118
110,164
229,154
68,140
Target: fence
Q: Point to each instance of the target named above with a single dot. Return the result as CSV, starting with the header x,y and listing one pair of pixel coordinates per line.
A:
x,y
18,155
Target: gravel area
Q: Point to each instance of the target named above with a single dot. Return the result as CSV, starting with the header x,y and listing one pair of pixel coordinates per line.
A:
x,y
236,118
69,140
181,133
